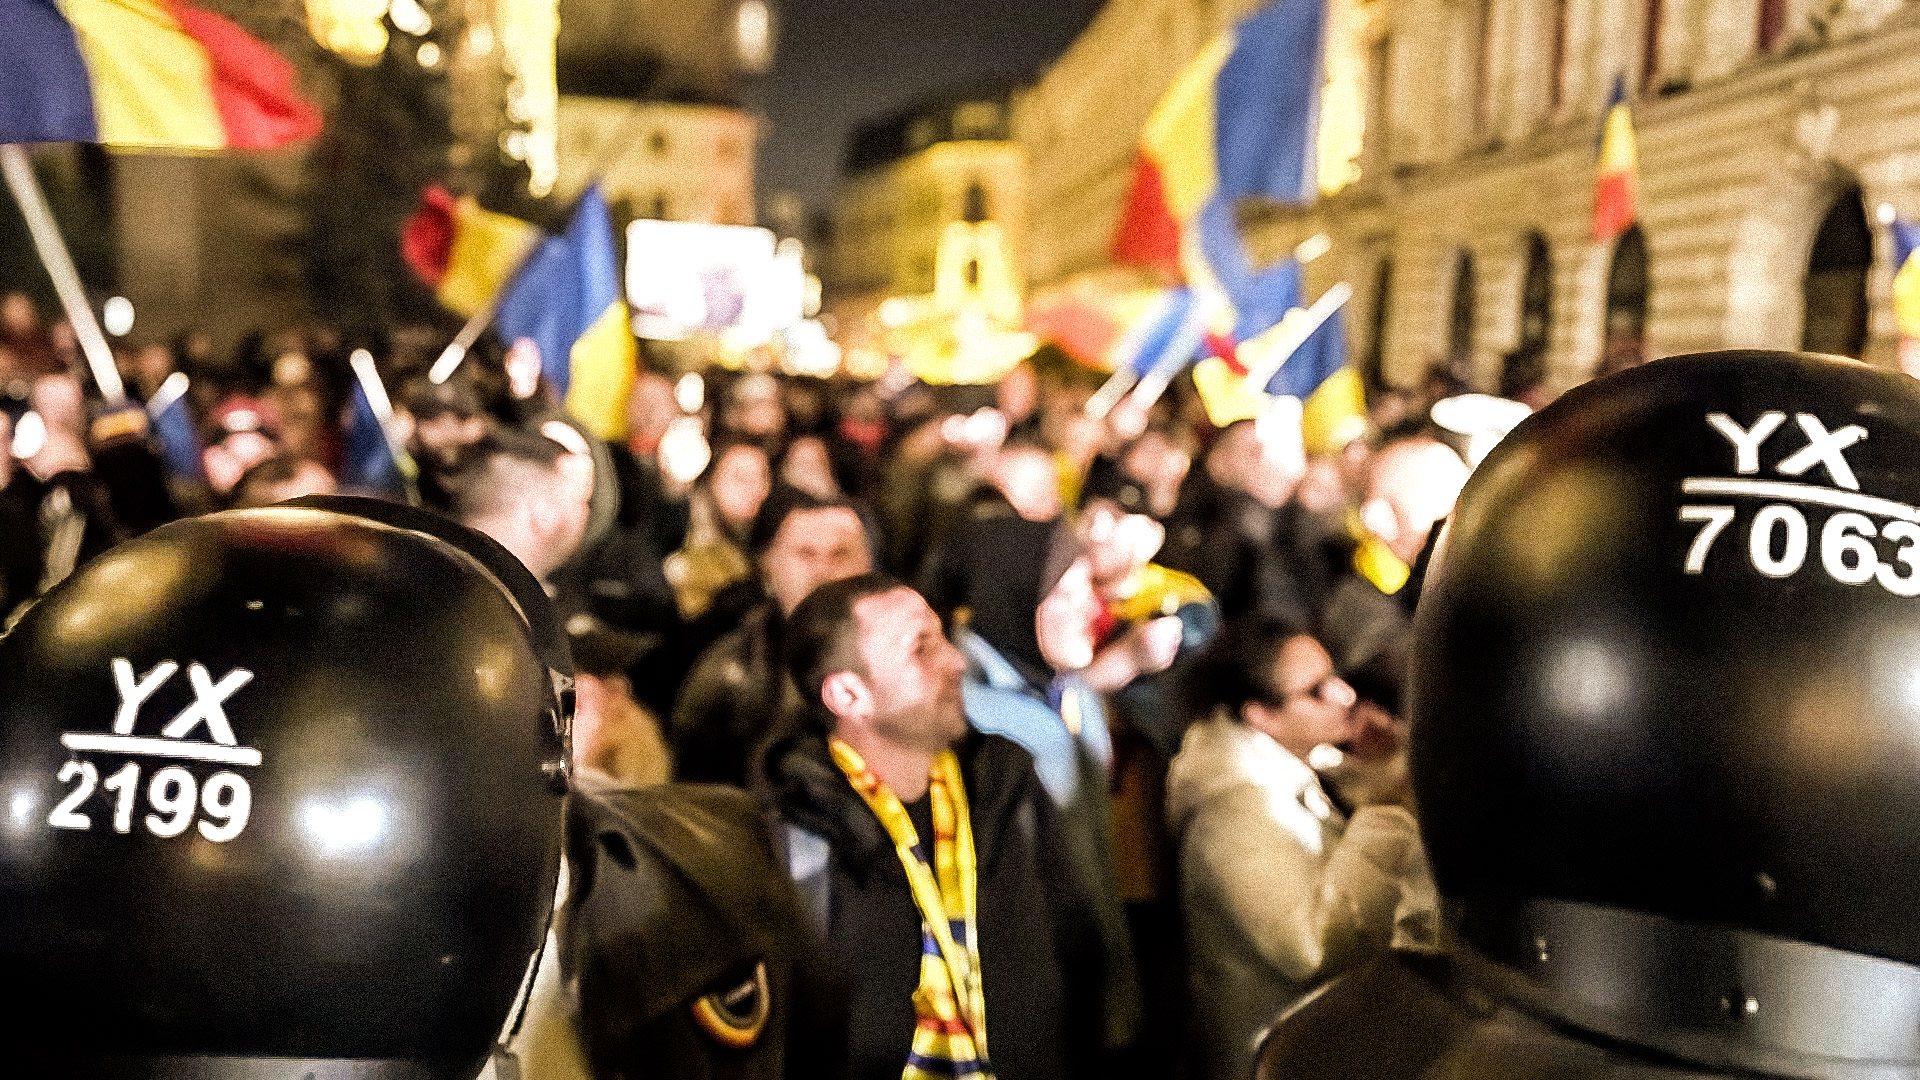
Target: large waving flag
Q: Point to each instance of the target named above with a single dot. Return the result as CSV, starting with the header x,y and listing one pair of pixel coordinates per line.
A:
x,y
567,300
465,252
1239,120
150,73
1618,174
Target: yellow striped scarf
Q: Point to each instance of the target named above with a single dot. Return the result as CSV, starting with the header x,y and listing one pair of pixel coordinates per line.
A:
x,y
950,1031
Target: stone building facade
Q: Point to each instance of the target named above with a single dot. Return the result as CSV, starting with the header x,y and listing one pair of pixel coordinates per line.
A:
x,y
657,159
908,179
1771,135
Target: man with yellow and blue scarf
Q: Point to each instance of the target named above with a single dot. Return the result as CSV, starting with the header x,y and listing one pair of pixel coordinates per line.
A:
x,y
929,854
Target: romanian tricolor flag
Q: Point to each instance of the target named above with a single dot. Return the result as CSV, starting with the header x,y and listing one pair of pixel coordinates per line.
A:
x,y
1239,120
148,73
465,252
1613,187
1906,278
567,300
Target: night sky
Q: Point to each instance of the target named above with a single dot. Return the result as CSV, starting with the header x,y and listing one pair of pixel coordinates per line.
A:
x,y
841,62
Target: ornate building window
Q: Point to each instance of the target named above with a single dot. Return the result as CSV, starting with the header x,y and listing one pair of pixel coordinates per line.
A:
x,y
1625,325
1835,290
1526,366
1373,362
1461,325
1557,74
1771,24
1651,14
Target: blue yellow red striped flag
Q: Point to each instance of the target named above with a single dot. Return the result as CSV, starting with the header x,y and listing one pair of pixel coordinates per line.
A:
x,y
160,74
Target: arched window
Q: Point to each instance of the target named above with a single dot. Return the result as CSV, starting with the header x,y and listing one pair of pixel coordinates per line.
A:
x,y
1653,11
1460,325
1557,75
1373,362
974,209
1836,287
1625,343
1526,366
1770,25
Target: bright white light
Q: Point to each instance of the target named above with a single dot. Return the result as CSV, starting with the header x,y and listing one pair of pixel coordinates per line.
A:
x,y
29,435
21,808
480,40
684,452
339,829
116,316
753,35
428,55
1588,679
1885,213
690,392
410,17
1313,247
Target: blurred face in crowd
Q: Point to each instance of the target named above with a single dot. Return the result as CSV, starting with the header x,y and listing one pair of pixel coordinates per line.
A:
x,y
1026,476
740,481
442,436
1311,705
1161,467
811,548
17,316
60,402
229,459
650,408
907,689
1115,542
1065,620
1410,485
755,409
809,467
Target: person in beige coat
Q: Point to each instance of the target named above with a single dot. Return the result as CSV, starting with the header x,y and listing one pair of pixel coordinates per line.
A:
x,y
1280,889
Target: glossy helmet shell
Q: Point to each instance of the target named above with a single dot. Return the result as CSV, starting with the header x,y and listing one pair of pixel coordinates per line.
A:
x,y
1612,706
279,790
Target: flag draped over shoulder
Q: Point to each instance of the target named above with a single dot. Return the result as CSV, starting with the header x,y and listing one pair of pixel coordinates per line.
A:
x,y
1618,172
159,74
1906,278
464,252
567,300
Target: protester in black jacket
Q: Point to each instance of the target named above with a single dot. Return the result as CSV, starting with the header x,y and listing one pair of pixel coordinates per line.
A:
x,y
869,651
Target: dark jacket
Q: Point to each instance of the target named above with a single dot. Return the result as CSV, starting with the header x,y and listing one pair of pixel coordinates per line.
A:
x,y
1255,559
1039,947
993,564
731,702
681,933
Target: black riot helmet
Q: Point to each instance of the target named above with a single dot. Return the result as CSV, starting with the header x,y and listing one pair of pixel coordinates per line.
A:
x,y
1665,697
280,795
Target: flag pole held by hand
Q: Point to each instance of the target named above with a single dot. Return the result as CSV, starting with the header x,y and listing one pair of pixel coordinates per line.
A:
x,y
66,280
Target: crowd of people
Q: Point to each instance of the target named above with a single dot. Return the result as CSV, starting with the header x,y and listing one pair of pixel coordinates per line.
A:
x,y
1080,737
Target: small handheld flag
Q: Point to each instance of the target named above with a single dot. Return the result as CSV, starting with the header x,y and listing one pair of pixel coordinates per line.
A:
x,y
567,300
1618,173
1906,277
173,427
